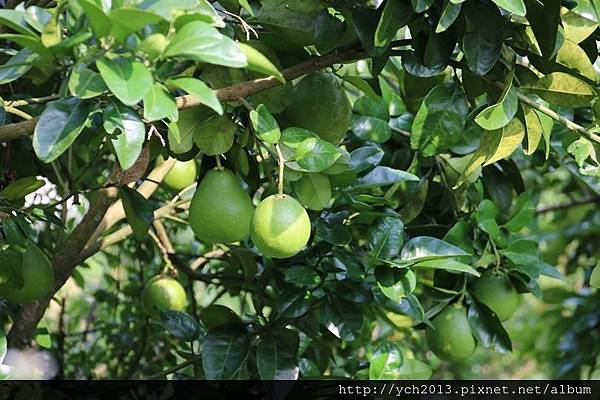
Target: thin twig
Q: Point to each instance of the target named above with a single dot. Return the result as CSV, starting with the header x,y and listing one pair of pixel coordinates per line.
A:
x,y
575,203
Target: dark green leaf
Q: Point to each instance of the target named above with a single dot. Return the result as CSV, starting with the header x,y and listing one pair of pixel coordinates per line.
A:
x,y
422,5
128,80
423,248
215,136
382,176
18,65
487,328
85,83
483,36
224,350
449,15
386,237
218,315
342,318
440,121
513,6
59,125
371,129
293,302
544,18
138,210
302,275
21,187
522,214
180,324
365,157
329,30
129,142
276,356
395,283
395,15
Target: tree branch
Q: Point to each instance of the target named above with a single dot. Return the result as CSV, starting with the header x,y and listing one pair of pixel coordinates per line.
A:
x,y
230,93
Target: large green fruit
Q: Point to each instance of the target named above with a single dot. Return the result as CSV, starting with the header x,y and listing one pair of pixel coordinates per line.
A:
x,y
280,226
164,294
182,175
38,277
498,293
319,104
450,338
221,209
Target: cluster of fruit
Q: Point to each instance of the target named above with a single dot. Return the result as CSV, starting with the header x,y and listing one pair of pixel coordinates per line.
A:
x,y
450,336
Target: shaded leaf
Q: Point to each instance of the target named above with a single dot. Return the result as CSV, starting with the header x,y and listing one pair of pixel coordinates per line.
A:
x,y
483,36
138,210
180,324
487,328
224,350
276,356
386,237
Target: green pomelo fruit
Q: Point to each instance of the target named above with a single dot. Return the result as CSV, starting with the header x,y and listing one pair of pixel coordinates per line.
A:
x,y
319,104
221,209
154,45
498,293
164,294
182,175
38,277
280,226
450,338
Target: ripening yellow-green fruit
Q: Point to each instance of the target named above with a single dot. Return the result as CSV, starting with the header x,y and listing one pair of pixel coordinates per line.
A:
x,y
280,226
450,338
182,175
163,293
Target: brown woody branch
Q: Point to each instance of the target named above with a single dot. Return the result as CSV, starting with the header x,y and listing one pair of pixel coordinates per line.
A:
x,y
230,93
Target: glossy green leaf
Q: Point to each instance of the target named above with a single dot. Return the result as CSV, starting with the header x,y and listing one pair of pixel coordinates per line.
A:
x,y
440,121
314,191
500,114
18,65
21,187
534,127
365,157
382,176
128,80
59,125
421,5
371,129
511,137
563,90
395,283
513,6
487,328
395,15
342,318
595,277
218,315
447,265
129,142
128,19
200,91
199,41
386,237
37,17
329,30
574,57
100,22
85,83
224,350
293,137
264,124
483,36
276,356
316,155
159,104
385,362
259,63
138,210
180,324
424,248
215,136
544,18
293,302
449,15
577,26
32,43
15,20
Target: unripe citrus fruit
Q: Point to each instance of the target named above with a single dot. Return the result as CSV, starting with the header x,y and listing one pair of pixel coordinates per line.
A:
x,y
498,293
182,175
164,294
280,226
221,209
319,104
38,277
450,338
154,45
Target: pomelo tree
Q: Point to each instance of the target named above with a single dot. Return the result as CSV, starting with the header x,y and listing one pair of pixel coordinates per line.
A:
x,y
292,189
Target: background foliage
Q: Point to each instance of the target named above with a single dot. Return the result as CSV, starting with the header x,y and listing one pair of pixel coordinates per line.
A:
x,y
472,147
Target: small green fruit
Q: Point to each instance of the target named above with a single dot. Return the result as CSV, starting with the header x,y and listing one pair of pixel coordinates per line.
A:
x,y
163,293
319,104
221,209
450,338
154,45
182,175
38,277
498,293
280,226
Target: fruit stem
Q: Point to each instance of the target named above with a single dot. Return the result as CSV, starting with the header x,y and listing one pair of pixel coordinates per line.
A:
x,y
281,169
218,158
